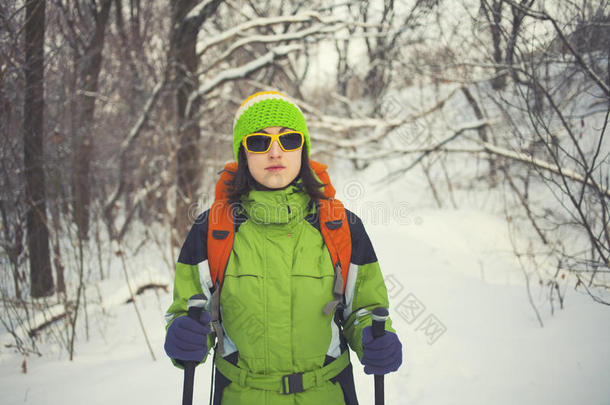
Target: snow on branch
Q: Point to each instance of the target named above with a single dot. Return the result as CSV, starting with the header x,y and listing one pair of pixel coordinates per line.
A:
x,y
239,72
382,126
395,152
337,124
499,151
264,22
317,29
199,9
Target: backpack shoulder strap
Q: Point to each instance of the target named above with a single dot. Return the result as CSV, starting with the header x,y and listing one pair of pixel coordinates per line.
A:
x,y
220,227
333,224
336,234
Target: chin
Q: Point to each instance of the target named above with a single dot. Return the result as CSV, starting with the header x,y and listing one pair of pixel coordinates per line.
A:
x,y
277,184
272,181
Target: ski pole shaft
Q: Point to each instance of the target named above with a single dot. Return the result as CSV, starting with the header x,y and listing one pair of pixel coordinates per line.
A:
x,y
195,306
379,316
189,379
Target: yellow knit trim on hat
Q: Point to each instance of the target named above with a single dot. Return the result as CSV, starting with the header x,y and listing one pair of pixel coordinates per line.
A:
x,y
260,93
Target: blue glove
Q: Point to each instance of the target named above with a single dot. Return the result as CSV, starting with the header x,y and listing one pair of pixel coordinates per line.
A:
x,y
186,338
380,355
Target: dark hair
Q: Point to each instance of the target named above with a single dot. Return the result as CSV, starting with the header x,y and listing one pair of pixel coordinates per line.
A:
x,y
242,181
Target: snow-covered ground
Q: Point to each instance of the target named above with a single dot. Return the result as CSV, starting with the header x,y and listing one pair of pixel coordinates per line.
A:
x,y
458,302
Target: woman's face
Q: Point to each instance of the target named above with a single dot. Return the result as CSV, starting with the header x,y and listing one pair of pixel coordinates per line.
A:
x,y
275,168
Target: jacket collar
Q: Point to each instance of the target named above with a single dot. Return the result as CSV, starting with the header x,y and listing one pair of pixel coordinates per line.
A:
x,y
277,206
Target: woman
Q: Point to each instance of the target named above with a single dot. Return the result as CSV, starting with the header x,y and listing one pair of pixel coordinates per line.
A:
x,y
283,313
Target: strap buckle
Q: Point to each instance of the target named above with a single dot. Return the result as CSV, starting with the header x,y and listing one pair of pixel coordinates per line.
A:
x,y
294,382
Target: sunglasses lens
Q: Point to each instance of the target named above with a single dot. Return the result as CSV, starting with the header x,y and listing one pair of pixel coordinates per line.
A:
x,y
291,140
258,143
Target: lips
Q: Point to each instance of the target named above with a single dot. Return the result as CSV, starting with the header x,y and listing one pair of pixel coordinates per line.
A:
x,y
275,168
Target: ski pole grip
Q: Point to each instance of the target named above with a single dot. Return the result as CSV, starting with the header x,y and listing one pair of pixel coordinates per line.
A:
x,y
379,315
195,306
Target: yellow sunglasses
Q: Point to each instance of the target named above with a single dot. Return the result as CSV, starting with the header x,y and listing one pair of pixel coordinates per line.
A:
x,y
259,142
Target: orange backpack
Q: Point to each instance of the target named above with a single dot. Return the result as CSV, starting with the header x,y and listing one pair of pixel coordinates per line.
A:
x,y
333,226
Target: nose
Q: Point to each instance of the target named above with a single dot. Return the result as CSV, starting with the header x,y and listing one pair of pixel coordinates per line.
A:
x,y
275,151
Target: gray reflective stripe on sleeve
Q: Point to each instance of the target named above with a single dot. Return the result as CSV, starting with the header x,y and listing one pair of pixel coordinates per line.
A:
x,y
334,350
205,280
352,276
197,302
169,317
360,313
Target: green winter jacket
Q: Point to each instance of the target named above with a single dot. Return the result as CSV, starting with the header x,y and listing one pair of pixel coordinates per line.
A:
x,y
279,278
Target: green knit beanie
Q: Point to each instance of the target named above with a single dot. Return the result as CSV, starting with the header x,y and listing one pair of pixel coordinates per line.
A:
x,y
267,109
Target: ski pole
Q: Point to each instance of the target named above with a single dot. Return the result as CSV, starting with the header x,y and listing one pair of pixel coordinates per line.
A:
x,y
195,306
379,316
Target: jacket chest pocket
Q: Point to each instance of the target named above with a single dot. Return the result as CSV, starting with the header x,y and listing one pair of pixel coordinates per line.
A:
x,y
243,305
312,285
312,289
313,278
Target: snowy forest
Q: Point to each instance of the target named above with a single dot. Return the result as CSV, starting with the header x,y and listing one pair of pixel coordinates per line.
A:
x,y
471,137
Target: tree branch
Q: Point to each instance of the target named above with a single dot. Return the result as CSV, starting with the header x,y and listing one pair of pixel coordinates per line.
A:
x,y
238,72
522,157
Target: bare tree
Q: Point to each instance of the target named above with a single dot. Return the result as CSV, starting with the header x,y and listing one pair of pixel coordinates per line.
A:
x,y
85,25
187,18
36,217
580,181
544,133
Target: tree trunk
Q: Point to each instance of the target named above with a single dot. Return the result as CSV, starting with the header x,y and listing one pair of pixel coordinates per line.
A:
x,y
183,39
495,21
493,175
187,167
36,218
89,65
